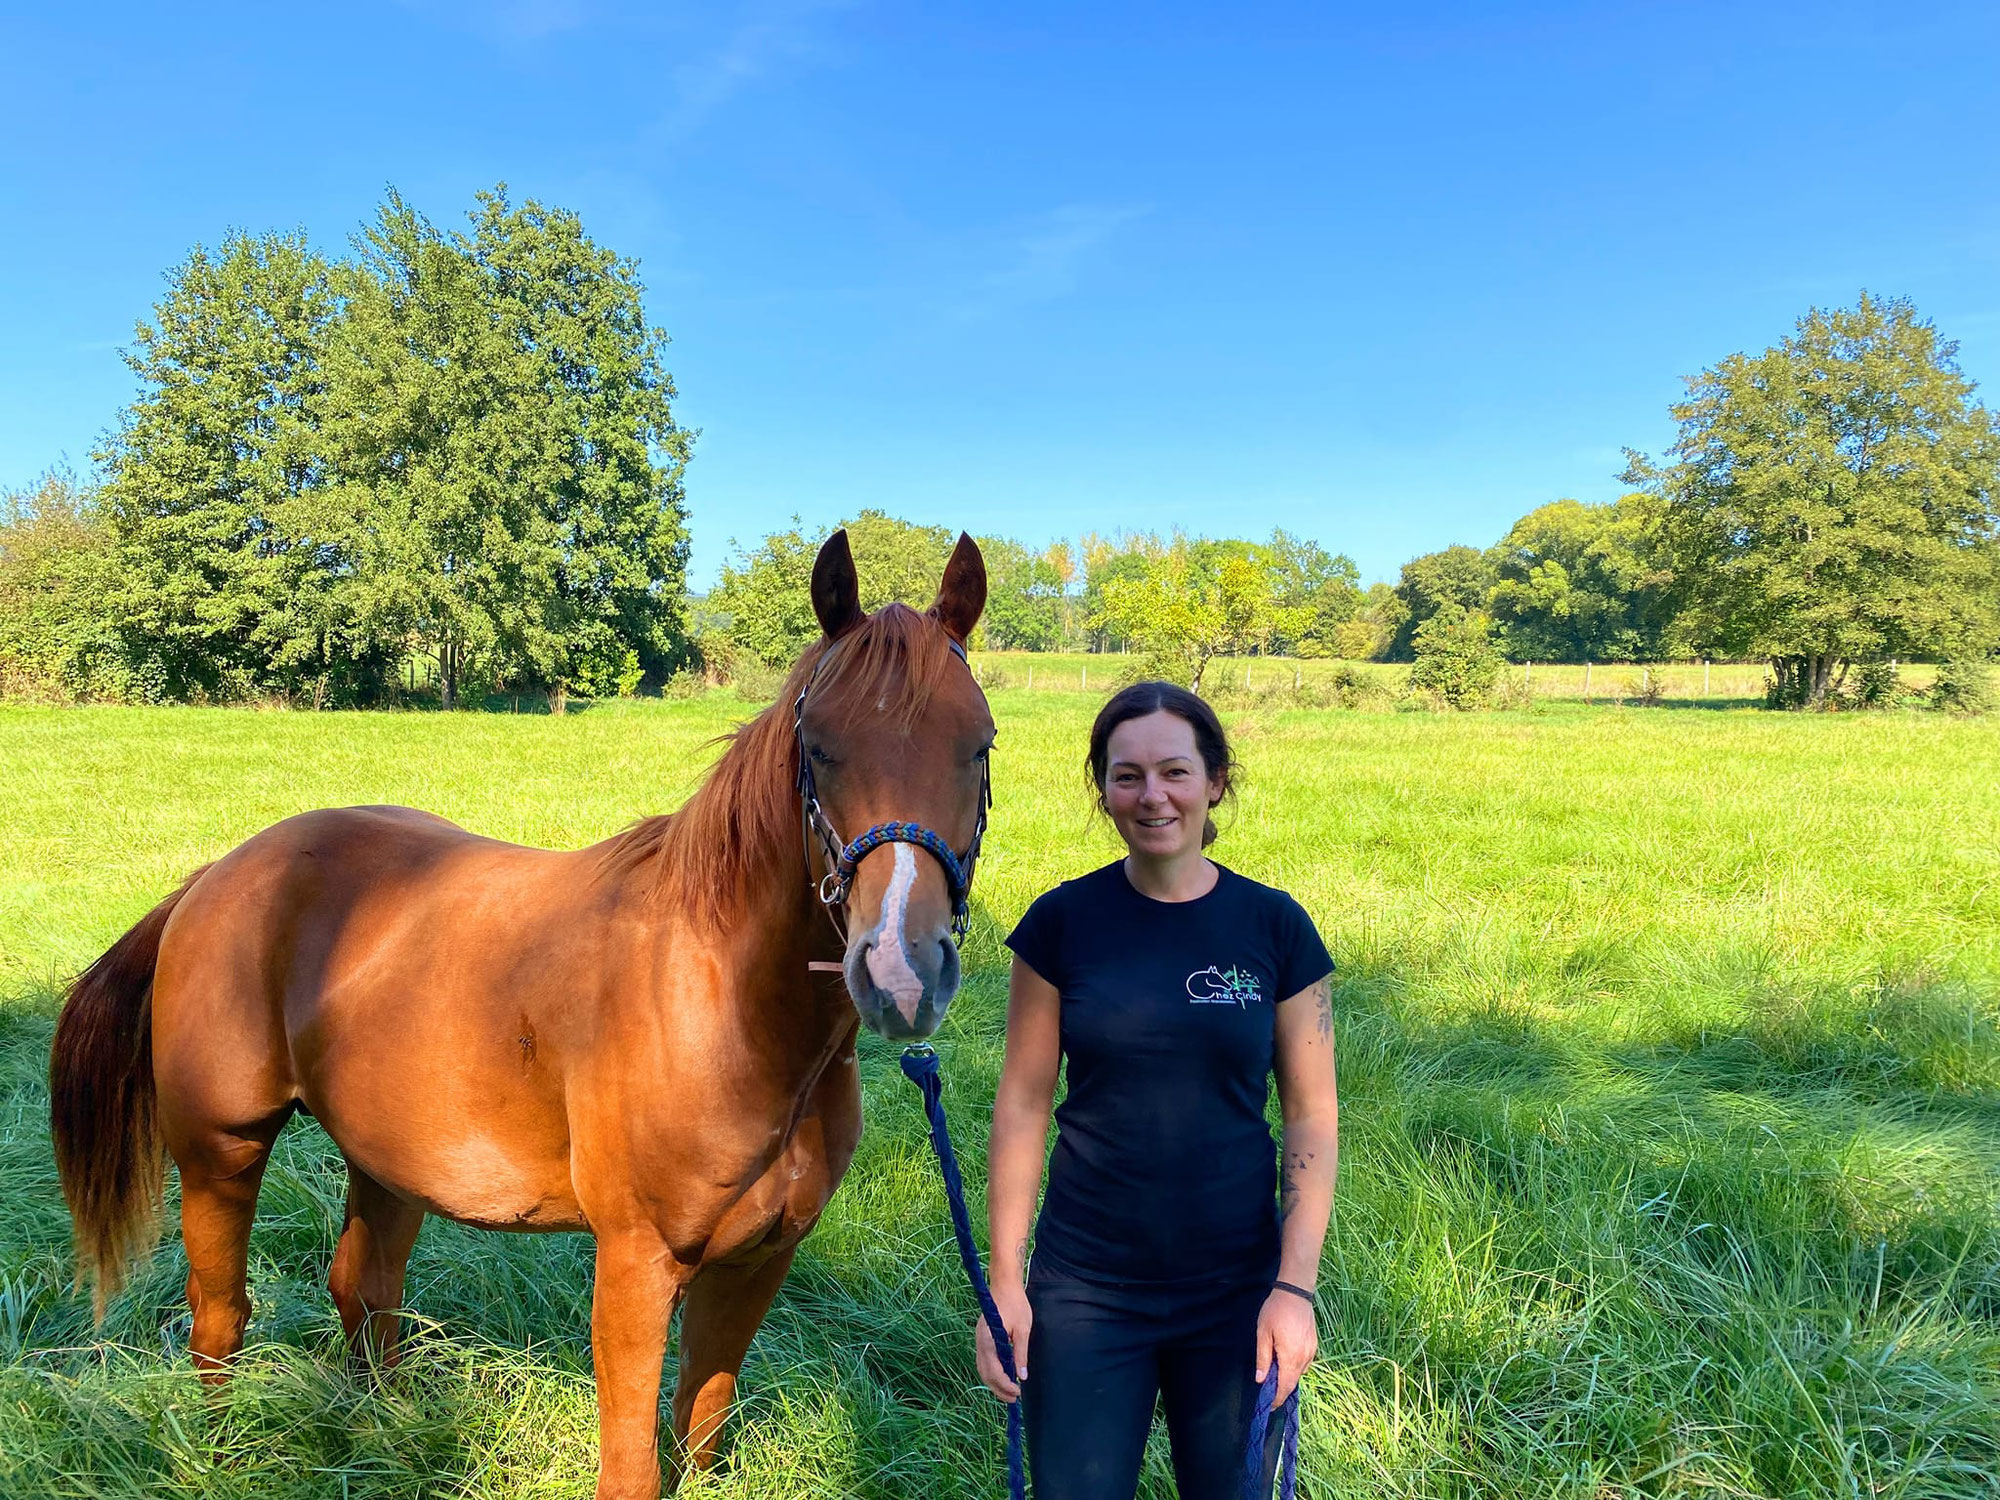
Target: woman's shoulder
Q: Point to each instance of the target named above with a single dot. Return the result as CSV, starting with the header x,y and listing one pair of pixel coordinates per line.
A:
x,y
1269,901
1248,889
1289,925
1081,890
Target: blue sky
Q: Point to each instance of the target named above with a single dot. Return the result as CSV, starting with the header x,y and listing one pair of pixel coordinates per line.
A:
x,y
1385,276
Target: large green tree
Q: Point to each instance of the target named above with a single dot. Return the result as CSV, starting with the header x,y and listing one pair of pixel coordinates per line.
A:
x,y
1188,604
1832,500
233,579
1456,575
764,596
509,463
1024,597
1314,593
1578,582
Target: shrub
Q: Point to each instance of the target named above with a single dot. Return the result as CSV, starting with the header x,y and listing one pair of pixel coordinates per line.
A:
x,y
60,587
684,685
1962,687
1348,686
1876,685
1646,689
1455,662
1785,692
717,657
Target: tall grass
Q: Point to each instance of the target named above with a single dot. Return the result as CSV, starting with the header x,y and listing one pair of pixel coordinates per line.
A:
x,y
1670,1057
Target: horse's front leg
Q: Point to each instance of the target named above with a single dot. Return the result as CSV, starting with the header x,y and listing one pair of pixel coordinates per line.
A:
x,y
638,1284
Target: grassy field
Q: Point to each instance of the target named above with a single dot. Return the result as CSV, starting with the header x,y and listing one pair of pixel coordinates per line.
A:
x,y
1671,1132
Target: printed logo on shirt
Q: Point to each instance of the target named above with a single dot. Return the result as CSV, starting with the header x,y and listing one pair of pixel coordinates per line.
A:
x,y
1231,986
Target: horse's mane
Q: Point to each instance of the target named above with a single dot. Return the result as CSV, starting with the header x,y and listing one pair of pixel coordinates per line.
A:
x,y
706,855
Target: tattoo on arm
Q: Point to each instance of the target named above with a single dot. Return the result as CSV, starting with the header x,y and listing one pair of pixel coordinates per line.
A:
x,y
1323,997
1288,1186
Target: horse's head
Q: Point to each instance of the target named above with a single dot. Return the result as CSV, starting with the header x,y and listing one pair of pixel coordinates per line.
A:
x,y
893,735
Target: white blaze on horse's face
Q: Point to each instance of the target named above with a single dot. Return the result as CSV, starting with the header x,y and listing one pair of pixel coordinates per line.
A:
x,y
886,953
901,969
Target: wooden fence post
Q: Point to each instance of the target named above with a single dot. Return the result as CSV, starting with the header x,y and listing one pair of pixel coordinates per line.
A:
x,y
1031,674
1586,679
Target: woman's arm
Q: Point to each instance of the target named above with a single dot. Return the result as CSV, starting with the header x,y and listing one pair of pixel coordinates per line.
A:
x,y
1014,1159
1309,1099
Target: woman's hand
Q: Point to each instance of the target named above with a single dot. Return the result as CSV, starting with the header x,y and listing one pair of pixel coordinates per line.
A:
x,y
1287,1332
1017,1318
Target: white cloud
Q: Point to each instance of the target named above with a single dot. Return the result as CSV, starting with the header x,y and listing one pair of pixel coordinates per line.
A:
x,y
1045,258
770,36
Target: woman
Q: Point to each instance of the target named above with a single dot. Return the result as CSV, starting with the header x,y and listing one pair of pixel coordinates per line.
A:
x,y
1168,1260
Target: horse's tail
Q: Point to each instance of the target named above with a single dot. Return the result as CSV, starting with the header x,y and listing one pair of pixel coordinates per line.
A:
x,y
101,1105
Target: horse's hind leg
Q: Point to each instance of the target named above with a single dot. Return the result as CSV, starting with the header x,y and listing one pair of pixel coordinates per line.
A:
x,y
220,1174
367,1275
725,1306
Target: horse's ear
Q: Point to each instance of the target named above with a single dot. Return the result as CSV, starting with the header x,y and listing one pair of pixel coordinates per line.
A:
x,y
962,595
836,591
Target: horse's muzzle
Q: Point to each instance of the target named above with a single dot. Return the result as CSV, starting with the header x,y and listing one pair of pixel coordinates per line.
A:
x,y
901,987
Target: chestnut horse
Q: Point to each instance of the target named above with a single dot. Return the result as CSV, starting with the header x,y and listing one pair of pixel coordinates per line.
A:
x,y
651,1039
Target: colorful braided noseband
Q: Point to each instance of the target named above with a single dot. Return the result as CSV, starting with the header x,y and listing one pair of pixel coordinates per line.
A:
x,y
906,833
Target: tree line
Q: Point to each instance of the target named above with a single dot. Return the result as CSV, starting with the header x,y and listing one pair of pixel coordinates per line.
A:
x,y
1828,505
453,447
448,460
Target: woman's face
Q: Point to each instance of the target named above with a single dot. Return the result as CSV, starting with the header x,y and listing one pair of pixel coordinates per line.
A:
x,y
1156,789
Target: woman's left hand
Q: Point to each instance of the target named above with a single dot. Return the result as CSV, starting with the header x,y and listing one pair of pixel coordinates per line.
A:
x,y
1287,1332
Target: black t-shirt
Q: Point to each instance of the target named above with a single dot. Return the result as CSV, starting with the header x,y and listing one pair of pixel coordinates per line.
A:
x,y
1164,1168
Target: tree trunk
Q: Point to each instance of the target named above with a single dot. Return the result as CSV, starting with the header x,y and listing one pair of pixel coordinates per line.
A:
x,y
448,677
559,699
1804,681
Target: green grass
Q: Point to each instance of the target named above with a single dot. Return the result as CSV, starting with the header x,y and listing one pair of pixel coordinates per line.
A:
x,y
1670,1057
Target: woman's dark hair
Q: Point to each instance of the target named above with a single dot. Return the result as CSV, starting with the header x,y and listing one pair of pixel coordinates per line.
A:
x,y
1143,698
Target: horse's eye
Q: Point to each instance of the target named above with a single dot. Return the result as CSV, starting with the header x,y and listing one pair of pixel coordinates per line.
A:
x,y
820,755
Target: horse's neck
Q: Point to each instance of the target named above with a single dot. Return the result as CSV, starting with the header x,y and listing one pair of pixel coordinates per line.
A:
x,y
774,924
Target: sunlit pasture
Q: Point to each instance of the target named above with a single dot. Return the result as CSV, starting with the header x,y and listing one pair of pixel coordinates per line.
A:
x,y
1670,1071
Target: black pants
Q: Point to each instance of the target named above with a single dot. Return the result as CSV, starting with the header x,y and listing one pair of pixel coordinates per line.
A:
x,y
1098,1356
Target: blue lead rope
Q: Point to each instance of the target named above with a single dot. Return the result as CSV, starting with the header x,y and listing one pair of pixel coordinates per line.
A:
x,y
920,1066
1260,1425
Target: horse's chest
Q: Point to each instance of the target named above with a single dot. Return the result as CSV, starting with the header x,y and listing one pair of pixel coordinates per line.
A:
x,y
787,1198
